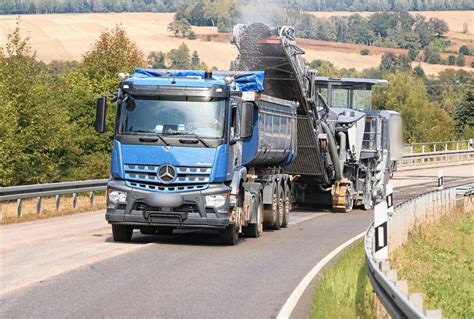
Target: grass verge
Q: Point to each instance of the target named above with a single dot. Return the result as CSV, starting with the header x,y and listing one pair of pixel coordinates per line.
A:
x,y
438,261
344,289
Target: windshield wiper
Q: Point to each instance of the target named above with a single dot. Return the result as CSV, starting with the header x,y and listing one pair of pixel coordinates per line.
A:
x,y
154,134
190,134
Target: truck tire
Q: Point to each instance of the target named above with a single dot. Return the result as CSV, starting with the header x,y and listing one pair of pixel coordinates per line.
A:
x,y
148,230
286,207
229,236
122,233
280,211
255,230
271,211
165,230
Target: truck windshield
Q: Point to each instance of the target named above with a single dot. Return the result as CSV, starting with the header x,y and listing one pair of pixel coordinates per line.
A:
x,y
174,117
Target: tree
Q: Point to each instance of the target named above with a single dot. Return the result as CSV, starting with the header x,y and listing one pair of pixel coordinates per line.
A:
x,y
196,63
460,61
179,27
419,72
113,53
179,58
157,60
34,129
451,60
391,62
464,50
78,90
464,115
412,54
422,120
438,26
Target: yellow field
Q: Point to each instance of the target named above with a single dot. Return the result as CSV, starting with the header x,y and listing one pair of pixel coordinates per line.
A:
x,y
69,36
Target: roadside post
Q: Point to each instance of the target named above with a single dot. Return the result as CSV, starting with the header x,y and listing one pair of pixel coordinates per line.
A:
x,y
440,180
389,198
381,235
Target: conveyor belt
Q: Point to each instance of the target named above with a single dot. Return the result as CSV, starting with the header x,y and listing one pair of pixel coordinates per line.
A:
x,y
275,52
286,76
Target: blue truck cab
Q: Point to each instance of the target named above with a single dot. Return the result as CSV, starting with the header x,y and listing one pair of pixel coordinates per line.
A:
x,y
184,145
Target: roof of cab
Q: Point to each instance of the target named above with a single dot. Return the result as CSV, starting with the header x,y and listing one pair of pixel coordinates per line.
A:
x,y
243,81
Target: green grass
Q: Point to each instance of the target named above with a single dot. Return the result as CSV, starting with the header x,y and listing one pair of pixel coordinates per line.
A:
x,y
344,290
438,261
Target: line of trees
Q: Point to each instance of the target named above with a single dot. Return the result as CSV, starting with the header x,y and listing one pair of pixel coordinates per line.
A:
x,y
48,110
389,29
80,6
85,6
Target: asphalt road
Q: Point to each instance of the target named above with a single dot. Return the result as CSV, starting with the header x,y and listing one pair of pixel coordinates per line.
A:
x,y
69,267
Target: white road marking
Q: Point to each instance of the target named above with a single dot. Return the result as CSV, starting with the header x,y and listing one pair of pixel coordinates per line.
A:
x,y
295,296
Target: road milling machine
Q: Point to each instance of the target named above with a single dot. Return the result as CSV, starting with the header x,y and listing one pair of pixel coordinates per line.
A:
x,y
346,151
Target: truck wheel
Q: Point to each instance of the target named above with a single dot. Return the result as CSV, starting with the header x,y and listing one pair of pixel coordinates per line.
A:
x,y
271,211
122,233
286,207
164,230
255,230
229,236
280,210
148,230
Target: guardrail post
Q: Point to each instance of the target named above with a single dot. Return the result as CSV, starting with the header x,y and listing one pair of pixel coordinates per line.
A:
x,y
434,148
74,200
58,202
417,300
38,205
91,198
19,207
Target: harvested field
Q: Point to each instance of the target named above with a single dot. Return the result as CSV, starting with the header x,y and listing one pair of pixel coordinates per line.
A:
x,y
69,36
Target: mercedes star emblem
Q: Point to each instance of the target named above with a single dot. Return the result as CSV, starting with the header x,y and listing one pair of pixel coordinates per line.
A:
x,y
167,173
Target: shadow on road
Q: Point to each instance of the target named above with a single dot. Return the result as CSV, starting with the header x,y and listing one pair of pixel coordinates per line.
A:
x,y
195,237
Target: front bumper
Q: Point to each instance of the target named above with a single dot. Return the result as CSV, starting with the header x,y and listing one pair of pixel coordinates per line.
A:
x,y
146,208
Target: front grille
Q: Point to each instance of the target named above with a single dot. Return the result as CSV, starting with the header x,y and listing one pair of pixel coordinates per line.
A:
x,y
185,208
187,179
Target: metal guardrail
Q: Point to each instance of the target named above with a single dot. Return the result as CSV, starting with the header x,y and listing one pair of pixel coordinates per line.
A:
x,y
393,294
38,191
438,146
427,158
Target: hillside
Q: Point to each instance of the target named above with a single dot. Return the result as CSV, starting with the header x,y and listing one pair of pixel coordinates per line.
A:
x,y
69,36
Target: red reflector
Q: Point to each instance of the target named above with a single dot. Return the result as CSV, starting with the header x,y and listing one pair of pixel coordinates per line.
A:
x,y
271,40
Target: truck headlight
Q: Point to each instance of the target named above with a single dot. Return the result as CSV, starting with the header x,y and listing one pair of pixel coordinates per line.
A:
x,y
117,197
216,200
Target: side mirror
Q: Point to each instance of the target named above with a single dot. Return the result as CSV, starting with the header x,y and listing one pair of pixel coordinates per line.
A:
x,y
246,120
100,114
